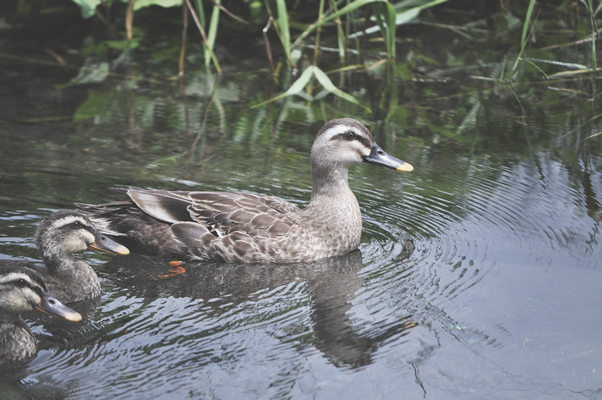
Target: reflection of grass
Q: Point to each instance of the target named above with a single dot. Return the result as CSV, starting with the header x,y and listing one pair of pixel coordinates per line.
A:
x,y
446,72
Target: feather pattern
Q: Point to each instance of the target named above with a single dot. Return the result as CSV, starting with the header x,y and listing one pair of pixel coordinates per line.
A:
x,y
60,235
244,227
22,290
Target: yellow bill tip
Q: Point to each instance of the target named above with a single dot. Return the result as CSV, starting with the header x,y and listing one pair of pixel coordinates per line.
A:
x,y
73,317
405,167
115,248
122,250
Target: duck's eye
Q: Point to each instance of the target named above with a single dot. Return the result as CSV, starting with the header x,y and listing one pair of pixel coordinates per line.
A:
x,y
350,135
77,224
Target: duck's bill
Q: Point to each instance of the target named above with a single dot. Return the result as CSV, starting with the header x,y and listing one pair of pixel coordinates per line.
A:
x,y
380,157
103,243
51,306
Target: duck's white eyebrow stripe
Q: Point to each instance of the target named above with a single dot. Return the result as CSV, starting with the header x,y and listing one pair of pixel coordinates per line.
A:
x,y
336,130
69,220
15,276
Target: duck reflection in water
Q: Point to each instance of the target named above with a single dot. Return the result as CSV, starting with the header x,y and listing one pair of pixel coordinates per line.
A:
x,y
333,284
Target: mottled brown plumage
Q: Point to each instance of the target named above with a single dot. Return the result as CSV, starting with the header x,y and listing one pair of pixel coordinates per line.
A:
x,y
242,227
21,290
60,235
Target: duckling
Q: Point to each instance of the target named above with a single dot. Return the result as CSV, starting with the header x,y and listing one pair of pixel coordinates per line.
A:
x,y
21,290
58,237
244,227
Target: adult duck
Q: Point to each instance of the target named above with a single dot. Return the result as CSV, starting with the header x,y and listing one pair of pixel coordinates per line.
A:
x,y
21,290
60,235
243,227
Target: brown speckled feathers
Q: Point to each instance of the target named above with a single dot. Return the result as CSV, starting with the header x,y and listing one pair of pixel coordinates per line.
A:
x,y
242,227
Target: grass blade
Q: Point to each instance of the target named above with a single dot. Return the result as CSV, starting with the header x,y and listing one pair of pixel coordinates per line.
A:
x,y
385,18
523,39
198,24
283,26
403,17
345,10
328,85
212,33
295,88
305,78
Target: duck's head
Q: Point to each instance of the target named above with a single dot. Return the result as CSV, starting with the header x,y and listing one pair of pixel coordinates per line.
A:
x,y
22,289
69,231
346,141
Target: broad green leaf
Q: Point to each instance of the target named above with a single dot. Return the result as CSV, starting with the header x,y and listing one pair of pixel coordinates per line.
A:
x,y
300,83
297,87
163,3
407,16
91,72
96,104
328,85
87,7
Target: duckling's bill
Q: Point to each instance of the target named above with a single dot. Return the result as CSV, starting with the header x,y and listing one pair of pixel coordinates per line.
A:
x,y
103,243
51,306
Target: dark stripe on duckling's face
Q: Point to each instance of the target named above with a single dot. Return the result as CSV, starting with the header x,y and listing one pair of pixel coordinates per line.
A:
x,y
22,277
24,290
75,222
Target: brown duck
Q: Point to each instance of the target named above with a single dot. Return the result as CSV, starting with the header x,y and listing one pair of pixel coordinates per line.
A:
x,y
21,290
60,235
243,227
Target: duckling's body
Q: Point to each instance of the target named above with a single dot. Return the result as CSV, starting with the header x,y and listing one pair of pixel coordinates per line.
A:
x,y
58,237
21,290
17,343
242,227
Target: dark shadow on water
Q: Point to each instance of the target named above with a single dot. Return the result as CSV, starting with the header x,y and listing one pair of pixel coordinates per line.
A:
x,y
333,284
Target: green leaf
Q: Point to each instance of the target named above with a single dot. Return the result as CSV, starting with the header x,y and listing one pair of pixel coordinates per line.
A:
x,y
284,25
328,85
385,17
407,16
560,63
91,72
87,7
345,10
523,37
297,87
95,104
212,32
163,3
401,18
299,84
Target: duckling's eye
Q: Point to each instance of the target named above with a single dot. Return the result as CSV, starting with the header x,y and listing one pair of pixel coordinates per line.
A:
x,y
350,135
21,283
76,224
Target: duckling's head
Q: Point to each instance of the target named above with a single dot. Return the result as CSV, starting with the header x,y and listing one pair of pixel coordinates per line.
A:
x,y
22,289
346,141
67,231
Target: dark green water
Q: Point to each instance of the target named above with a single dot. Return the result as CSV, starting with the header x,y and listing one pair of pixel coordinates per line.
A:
x,y
478,275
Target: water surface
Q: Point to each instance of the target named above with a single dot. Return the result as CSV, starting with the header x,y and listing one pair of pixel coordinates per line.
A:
x,y
478,274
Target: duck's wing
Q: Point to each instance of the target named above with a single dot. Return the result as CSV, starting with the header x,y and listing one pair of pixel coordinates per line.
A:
x,y
221,213
134,228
